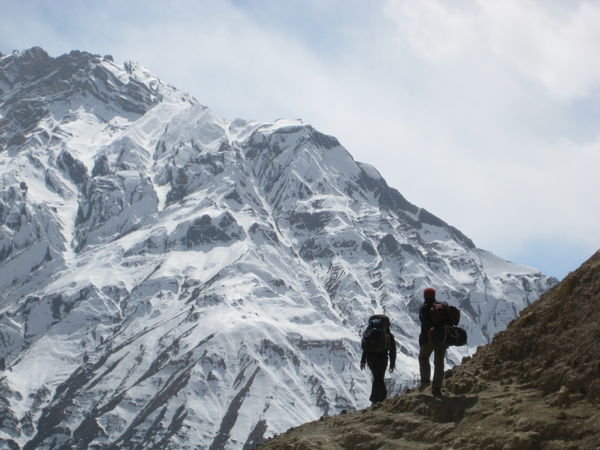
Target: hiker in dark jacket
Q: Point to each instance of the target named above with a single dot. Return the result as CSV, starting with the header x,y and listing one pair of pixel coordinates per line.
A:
x,y
378,362
427,348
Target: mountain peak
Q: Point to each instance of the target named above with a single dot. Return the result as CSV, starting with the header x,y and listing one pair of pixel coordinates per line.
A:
x,y
36,88
32,53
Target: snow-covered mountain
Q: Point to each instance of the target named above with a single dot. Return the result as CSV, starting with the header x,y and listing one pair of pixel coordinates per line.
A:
x,y
169,279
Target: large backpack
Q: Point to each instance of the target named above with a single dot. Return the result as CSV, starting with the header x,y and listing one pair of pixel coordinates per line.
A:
x,y
447,335
376,337
444,314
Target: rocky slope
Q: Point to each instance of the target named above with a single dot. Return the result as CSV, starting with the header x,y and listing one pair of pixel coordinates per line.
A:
x,y
169,278
536,386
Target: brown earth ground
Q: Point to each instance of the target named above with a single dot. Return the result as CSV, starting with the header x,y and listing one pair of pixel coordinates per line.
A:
x,y
536,386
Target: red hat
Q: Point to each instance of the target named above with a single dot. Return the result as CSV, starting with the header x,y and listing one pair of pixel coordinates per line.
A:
x,y
429,293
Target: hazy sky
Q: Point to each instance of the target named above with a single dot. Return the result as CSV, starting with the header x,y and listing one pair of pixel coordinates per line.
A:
x,y
484,112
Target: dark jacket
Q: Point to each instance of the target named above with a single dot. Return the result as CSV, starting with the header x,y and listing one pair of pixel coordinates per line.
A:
x,y
425,319
391,352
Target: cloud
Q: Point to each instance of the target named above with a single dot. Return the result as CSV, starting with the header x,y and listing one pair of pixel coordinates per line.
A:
x,y
542,42
511,75
483,112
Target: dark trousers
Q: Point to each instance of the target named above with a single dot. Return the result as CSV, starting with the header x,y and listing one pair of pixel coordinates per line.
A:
x,y
439,353
378,363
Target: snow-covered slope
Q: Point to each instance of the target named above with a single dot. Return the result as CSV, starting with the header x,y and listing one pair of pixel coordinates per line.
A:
x,y
169,279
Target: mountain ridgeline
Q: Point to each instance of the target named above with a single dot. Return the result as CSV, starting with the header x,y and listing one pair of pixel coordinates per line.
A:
x,y
169,279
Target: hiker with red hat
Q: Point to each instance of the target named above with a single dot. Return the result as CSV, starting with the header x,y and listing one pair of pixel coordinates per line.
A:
x,y
427,347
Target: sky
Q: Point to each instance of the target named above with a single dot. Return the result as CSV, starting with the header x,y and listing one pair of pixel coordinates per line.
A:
x,y
484,112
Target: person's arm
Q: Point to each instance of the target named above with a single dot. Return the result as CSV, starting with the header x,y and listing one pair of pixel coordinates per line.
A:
x,y
424,316
392,352
363,360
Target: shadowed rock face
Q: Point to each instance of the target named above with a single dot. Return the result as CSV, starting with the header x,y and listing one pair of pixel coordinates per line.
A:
x,y
187,282
74,169
537,385
207,231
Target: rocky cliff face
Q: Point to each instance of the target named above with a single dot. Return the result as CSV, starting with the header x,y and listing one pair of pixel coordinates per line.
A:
x,y
168,278
536,386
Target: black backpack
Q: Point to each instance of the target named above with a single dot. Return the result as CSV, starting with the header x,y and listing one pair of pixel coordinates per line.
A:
x,y
448,335
376,337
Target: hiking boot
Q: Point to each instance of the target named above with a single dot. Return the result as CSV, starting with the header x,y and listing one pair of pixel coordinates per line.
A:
x,y
437,392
